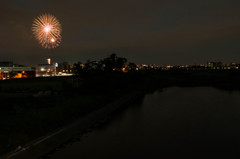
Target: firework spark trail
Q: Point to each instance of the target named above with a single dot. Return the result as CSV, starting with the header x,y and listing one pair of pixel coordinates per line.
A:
x,y
47,30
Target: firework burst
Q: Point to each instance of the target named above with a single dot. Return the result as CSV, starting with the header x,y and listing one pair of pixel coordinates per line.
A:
x,y
47,30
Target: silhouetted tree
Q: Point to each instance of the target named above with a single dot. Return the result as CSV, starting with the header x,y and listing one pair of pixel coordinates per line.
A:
x,y
120,63
113,63
110,64
91,66
132,66
77,68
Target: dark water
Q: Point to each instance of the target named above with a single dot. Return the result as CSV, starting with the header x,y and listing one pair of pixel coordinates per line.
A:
x,y
176,118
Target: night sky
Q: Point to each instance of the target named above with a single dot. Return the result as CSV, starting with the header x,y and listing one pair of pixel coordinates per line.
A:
x,y
143,31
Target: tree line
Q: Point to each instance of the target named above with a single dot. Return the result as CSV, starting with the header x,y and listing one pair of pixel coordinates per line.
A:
x,y
112,63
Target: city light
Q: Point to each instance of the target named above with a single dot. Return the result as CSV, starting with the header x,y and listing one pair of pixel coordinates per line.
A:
x,y
49,61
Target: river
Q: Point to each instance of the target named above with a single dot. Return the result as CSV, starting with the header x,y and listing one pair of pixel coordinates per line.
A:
x,y
174,118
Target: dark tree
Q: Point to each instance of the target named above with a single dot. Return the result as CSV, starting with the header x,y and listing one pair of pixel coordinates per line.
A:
x,y
132,66
113,63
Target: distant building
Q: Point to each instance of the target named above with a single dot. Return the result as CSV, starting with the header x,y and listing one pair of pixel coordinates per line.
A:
x,y
53,69
45,70
65,69
8,70
215,65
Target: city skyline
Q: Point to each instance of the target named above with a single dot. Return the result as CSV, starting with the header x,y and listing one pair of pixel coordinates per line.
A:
x,y
82,78
157,32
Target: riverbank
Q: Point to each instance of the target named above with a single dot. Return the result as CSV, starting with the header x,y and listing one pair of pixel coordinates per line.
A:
x,y
33,108
183,119
44,146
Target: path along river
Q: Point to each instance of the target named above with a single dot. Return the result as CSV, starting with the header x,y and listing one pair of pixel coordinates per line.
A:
x,y
174,118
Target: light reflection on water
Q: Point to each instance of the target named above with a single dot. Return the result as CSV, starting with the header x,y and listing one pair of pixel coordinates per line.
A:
x,y
176,118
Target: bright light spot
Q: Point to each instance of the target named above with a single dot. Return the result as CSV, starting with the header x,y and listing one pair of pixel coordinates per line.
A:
x,y
49,61
47,28
52,40
124,69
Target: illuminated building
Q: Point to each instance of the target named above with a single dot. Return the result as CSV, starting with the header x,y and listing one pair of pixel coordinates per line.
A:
x,y
65,69
215,65
8,70
46,70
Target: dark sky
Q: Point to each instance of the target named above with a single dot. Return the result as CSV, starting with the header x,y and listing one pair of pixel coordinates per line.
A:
x,y
144,31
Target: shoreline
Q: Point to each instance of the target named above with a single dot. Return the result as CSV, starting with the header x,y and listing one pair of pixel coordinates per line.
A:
x,y
46,145
143,86
43,146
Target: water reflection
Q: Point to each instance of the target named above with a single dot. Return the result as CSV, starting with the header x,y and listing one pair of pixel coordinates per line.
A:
x,y
181,118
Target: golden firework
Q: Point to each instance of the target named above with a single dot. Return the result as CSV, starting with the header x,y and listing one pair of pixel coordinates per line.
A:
x,y
47,30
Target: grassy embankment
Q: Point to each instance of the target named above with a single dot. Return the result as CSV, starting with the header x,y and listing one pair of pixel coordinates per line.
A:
x,y
31,108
